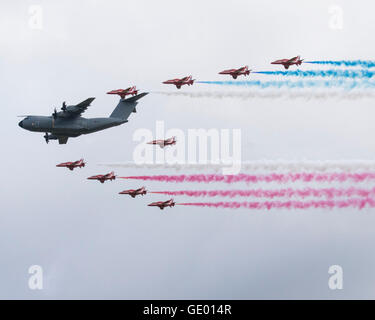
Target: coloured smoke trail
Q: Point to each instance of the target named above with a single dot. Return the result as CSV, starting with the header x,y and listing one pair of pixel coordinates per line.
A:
x,y
350,74
298,84
261,165
279,94
328,193
290,204
273,177
345,63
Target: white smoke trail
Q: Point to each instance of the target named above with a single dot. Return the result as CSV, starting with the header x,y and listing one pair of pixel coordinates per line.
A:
x,y
290,95
265,165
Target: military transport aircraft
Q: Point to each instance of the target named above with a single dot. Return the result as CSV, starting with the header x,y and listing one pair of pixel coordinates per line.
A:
x,y
163,143
237,72
162,204
134,192
68,122
103,177
72,164
288,62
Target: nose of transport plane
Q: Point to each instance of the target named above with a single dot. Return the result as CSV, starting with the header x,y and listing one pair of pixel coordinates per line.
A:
x,y
21,124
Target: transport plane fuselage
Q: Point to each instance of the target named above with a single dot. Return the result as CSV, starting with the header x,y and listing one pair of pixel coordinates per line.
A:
x,y
69,122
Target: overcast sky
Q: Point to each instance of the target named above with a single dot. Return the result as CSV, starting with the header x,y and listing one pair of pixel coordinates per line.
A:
x,y
92,242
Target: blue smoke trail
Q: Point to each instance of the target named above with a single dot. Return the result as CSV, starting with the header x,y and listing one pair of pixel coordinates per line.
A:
x,y
336,73
299,84
346,63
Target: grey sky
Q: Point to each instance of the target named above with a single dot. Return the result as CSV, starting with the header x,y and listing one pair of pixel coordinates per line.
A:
x,y
93,243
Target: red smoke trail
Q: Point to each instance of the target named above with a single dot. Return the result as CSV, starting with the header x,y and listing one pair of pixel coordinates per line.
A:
x,y
322,204
274,177
261,193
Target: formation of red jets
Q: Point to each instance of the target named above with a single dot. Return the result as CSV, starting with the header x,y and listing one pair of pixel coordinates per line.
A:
x,y
142,191
245,71
132,192
111,176
188,80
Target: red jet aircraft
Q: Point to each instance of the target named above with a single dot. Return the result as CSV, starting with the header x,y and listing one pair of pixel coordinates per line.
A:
x,y
163,143
180,82
237,72
288,62
124,92
134,192
103,177
162,204
72,165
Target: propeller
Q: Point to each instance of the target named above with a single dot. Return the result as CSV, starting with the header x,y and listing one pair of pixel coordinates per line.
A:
x,y
63,108
46,136
54,114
